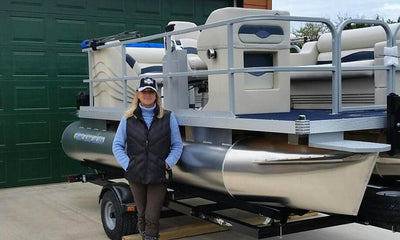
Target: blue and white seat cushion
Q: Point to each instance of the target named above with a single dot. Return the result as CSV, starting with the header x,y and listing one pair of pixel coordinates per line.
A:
x,y
261,34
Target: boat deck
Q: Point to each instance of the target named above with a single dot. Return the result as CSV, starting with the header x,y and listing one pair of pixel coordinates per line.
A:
x,y
317,121
315,115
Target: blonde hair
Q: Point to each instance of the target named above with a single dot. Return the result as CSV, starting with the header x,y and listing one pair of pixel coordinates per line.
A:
x,y
135,104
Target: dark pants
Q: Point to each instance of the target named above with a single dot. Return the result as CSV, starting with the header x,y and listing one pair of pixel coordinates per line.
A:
x,y
149,199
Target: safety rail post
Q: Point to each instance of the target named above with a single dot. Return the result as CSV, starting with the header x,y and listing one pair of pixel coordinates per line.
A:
x,y
90,62
395,68
339,62
123,75
336,74
230,66
168,46
168,50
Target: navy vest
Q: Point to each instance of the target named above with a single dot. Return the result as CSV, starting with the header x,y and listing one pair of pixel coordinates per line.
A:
x,y
148,148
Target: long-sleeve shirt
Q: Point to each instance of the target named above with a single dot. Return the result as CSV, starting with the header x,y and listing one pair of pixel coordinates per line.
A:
x,y
119,143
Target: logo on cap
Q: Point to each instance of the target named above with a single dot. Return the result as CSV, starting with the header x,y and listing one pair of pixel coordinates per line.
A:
x,y
147,83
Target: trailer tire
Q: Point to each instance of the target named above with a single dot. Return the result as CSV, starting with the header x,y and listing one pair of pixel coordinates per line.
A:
x,y
381,206
116,222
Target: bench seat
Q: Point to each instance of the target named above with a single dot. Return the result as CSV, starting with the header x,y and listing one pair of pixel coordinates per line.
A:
x,y
360,48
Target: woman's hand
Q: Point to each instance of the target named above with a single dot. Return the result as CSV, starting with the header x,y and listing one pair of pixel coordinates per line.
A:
x,y
166,165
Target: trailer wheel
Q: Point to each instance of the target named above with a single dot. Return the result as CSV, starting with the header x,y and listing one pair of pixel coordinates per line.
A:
x,y
116,222
381,205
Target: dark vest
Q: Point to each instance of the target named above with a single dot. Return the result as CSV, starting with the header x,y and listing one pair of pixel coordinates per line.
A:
x,y
147,148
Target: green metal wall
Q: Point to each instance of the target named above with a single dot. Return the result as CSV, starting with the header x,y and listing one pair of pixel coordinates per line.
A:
x,y
42,69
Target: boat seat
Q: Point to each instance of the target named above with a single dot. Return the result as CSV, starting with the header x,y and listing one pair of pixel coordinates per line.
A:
x,y
360,47
255,43
148,59
188,42
141,59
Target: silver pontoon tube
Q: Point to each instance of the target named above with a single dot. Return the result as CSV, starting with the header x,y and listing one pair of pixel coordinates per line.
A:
x,y
269,171
274,172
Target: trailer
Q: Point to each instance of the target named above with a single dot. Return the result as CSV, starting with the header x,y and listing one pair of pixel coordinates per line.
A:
x,y
264,130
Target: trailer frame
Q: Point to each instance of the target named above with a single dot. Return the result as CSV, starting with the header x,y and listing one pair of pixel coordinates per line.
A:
x,y
277,221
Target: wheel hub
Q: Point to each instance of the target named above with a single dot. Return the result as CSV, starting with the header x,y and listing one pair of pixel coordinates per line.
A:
x,y
109,213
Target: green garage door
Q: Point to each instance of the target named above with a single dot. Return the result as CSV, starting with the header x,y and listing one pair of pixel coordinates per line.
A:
x,y
42,69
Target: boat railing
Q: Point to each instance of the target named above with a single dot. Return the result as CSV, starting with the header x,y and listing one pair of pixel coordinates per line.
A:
x,y
395,67
335,68
337,89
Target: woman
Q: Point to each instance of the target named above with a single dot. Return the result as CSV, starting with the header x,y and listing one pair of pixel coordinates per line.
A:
x,y
153,146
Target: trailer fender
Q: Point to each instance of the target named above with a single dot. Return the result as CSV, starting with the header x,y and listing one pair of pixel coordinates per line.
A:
x,y
120,190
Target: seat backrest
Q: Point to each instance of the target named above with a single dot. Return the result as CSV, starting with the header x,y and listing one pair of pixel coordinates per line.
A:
x,y
249,34
356,45
180,25
188,41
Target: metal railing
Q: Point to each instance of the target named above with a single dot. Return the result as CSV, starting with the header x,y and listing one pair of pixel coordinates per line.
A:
x,y
336,67
337,90
395,68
